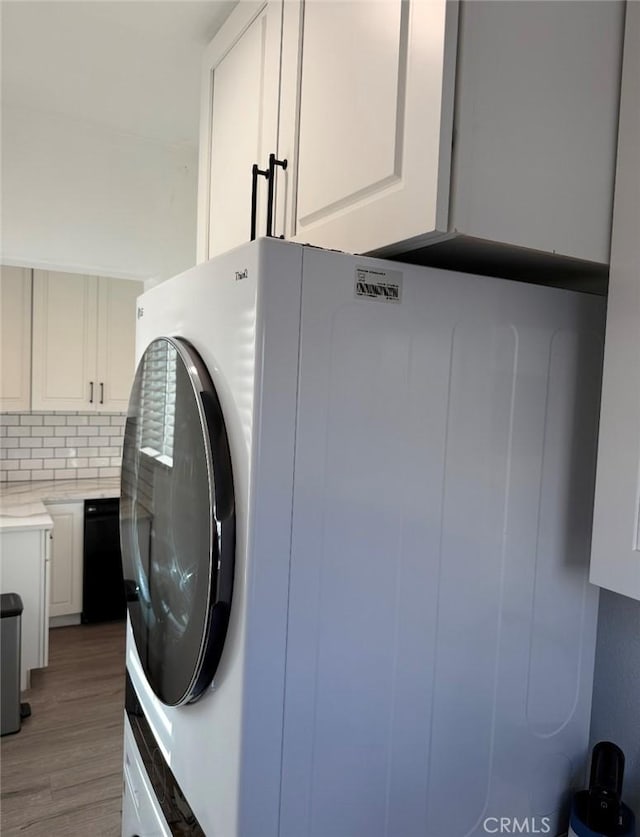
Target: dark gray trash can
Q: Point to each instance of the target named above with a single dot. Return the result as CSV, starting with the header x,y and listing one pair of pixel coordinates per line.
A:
x,y
10,625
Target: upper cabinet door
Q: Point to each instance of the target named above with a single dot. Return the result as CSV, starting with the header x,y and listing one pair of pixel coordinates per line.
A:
x,y
15,338
367,104
238,126
64,341
116,342
615,550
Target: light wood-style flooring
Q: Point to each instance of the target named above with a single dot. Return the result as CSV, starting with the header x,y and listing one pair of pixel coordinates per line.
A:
x,y
61,775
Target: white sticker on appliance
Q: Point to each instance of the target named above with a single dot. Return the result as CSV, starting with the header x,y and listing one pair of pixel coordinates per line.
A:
x,y
383,285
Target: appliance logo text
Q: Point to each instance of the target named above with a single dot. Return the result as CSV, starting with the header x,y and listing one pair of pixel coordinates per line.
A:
x,y
242,274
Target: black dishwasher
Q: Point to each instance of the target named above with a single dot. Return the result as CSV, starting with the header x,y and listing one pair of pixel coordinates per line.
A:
x,y
102,586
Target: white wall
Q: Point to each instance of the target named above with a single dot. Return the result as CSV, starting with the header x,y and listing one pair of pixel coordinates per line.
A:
x,y
81,197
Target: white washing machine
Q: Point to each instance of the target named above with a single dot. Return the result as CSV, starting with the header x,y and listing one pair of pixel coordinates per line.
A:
x,y
355,522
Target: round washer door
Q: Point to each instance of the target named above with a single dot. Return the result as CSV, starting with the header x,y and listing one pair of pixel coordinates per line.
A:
x,y
177,521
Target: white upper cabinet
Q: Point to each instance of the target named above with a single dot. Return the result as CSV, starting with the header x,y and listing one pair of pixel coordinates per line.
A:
x,y
422,127
367,105
83,342
238,124
64,341
536,124
116,347
615,551
15,338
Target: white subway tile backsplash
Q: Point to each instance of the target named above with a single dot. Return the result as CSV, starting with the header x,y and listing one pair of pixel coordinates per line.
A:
x,y
88,473
55,463
18,431
84,431
40,446
50,421
40,431
54,443
30,442
110,451
65,474
42,475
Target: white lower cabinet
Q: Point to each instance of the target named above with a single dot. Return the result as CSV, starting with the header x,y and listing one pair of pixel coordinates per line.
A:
x,y
66,558
24,569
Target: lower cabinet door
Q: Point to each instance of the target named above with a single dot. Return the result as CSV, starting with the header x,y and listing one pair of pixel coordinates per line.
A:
x,y
23,570
66,559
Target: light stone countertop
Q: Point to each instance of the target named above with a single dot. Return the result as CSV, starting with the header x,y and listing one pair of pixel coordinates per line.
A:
x,y
23,504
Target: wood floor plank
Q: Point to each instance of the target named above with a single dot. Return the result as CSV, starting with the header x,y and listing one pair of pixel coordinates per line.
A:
x,y
61,775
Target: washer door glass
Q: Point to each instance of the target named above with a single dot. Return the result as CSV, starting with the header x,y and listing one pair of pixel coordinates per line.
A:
x,y
177,521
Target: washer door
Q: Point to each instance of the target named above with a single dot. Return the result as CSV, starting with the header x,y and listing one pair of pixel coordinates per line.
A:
x,y
177,521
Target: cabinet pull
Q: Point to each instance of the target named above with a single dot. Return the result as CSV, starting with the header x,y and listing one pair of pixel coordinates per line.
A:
x,y
272,178
255,172
101,392
90,392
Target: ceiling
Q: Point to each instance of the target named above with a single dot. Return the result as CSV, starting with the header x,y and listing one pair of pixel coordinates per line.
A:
x,y
131,66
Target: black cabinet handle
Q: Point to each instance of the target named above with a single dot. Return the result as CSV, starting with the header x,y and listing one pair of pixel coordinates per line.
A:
x,y
101,392
255,173
90,392
272,178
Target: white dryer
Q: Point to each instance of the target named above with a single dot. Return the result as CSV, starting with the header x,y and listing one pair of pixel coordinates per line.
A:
x,y
355,521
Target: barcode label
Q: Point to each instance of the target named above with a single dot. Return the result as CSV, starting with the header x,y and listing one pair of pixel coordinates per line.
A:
x,y
383,285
